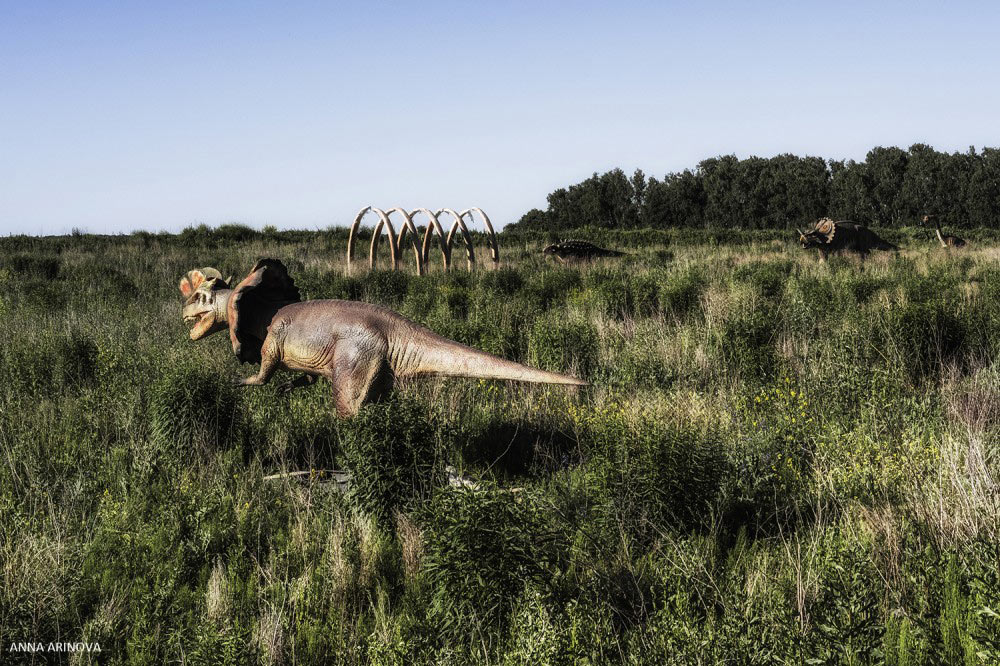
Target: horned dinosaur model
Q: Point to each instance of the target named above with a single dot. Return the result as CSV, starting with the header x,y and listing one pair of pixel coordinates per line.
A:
x,y
946,240
578,249
836,236
360,348
421,251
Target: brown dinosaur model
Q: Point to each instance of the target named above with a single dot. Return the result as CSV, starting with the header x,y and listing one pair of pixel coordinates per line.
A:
x,y
360,348
578,249
830,236
946,240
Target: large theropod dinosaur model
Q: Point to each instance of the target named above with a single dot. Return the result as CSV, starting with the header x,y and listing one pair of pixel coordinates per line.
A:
x,y
836,236
360,348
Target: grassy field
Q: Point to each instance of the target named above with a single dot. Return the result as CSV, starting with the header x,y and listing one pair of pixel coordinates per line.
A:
x,y
779,461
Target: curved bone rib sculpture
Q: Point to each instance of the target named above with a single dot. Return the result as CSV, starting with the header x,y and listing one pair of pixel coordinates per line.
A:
x,y
459,223
433,226
421,250
383,221
494,249
408,226
359,348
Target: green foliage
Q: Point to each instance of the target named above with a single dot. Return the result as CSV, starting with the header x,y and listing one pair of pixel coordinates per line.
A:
x,y
469,533
558,344
746,341
890,187
680,291
31,266
777,439
191,406
654,474
931,333
50,363
395,457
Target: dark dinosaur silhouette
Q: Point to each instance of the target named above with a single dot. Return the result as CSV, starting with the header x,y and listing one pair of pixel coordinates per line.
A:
x,y
578,249
835,236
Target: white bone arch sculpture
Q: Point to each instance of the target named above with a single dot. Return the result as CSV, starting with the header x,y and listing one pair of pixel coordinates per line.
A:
x,y
422,250
433,225
459,223
494,249
414,238
382,222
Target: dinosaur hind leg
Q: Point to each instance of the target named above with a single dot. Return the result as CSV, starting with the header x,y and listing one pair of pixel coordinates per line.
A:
x,y
357,383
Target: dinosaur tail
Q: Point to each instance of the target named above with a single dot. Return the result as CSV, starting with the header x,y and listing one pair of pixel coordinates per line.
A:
x,y
430,354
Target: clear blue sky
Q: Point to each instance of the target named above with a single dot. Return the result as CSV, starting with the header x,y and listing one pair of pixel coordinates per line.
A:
x,y
123,116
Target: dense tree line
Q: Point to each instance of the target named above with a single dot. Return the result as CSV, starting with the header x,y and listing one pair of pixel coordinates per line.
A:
x,y
891,187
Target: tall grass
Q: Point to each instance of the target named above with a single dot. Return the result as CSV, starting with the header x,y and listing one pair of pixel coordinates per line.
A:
x,y
778,461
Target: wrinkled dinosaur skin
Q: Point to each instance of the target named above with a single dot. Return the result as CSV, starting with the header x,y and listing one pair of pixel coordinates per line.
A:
x,y
579,250
946,240
360,348
829,236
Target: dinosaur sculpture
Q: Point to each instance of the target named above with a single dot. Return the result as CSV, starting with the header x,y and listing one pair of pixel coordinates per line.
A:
x,y
946,240
835,236
360,348
578,249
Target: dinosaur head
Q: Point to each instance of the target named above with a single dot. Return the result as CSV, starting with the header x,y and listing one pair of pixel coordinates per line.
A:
x,y
821,234
550,250
206,295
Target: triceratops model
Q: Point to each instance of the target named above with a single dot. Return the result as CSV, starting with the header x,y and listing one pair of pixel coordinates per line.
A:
x,y
360,348
830,236
578,249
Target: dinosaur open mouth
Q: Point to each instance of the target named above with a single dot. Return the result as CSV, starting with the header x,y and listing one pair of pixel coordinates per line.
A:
x,y
204,323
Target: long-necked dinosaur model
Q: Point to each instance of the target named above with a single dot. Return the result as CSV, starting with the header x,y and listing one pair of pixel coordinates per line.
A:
x,y
830,236
360,348
579,250
946,240
422,251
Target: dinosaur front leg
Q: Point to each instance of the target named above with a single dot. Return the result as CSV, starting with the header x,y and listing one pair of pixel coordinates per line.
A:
x,y
269,363
302,380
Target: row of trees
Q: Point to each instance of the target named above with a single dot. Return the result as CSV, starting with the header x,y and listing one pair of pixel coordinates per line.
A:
x,y
891,187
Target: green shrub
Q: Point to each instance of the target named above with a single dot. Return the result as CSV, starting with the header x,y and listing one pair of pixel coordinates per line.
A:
x,y
50,363
192,405
504,281
482,548
767,276
680,291
546,288
395,455
929,334
653,474
31,266
623,294
385,287
747,342
772,457
558,344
